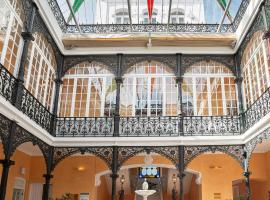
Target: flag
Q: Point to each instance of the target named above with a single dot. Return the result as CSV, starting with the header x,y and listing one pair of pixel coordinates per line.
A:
x,y
150,4
223,5
75,7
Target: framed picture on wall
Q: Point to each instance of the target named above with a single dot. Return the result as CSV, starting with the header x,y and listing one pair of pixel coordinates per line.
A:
x,y
84,196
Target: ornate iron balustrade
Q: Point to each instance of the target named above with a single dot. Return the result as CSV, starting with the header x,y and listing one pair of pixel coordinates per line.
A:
x,y
7,84
214,125
36,111
149,126
84,127
257,110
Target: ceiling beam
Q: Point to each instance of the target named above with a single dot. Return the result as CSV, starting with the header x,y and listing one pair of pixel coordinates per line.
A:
x,y
129,14
73,16
224,15
169,14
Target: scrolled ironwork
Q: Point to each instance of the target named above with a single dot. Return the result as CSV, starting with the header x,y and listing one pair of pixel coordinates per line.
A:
x,y
7,84
36,111
214,125
84,127
257,110
149,126
234,151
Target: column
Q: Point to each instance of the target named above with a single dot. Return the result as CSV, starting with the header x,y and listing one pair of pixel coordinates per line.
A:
x,y
247,184
179,81
239,84
7,163
27,37
58,83
48,176
114,174
119,81
181,168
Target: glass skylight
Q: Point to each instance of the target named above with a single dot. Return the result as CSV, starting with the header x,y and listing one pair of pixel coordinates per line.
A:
x,y
91,12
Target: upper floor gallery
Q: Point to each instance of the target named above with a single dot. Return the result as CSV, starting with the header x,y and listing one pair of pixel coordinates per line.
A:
x,y
132,95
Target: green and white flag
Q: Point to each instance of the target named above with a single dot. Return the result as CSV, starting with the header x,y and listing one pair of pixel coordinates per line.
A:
x,y
75,7
223,4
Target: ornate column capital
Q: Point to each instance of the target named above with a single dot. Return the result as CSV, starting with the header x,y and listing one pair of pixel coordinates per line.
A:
x,y
7,162
58,81
179,79
27,36
238,80
181,175
247,174
119,80
266,34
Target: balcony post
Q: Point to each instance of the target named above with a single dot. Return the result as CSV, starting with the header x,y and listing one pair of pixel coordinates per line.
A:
x,y
181,169
27,37
48,176
7,163
114,174
118,80
246,175
58,82
238,82
179,81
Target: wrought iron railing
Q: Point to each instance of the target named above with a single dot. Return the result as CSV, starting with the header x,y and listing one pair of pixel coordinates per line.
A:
x,y
257,110
7,84
84,127
149,126
207,126
36,111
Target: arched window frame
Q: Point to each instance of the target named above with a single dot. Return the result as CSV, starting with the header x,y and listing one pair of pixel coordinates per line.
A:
x,y
196,73
255,69
11,51
121,16
167,79
146,17
178,16
72,77
39,80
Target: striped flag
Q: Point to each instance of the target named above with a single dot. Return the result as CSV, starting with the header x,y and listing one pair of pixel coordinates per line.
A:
x,y
223,4
75,7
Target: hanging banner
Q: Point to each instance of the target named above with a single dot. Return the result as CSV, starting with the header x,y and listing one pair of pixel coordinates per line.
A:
x,y
150,4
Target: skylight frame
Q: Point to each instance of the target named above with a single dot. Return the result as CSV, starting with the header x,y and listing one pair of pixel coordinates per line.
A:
x,y
133,28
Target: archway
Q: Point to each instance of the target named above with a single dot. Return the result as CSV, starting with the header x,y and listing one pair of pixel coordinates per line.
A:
x,y
26,176
259,167
220,173
75,176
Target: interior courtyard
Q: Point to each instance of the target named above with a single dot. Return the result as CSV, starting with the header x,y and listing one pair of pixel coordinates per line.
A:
x,y
135,99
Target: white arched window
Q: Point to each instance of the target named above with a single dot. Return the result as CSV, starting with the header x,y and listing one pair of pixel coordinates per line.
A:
x,y
149,89
209,89
178,16
11,26
122,16
255,68
88,90
40,70
146,17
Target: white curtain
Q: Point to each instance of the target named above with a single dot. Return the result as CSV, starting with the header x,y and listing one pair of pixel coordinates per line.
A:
x,y
36,191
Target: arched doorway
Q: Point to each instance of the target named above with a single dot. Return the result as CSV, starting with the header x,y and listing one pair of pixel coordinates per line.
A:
x,y
220,175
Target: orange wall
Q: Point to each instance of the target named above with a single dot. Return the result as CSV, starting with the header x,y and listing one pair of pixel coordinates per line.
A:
x,y
68,179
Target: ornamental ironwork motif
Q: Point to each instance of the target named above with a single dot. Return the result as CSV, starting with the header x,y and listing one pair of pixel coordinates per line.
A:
x,y
149,126
39,26
104,153
26,10
109,60
234,151
84,127
190,60
251,145
207,126
5,125
125,153
257,25
36,111
240,14
257,110
130,60
8,84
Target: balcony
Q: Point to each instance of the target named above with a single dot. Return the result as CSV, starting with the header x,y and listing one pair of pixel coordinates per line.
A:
x,y
161,126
